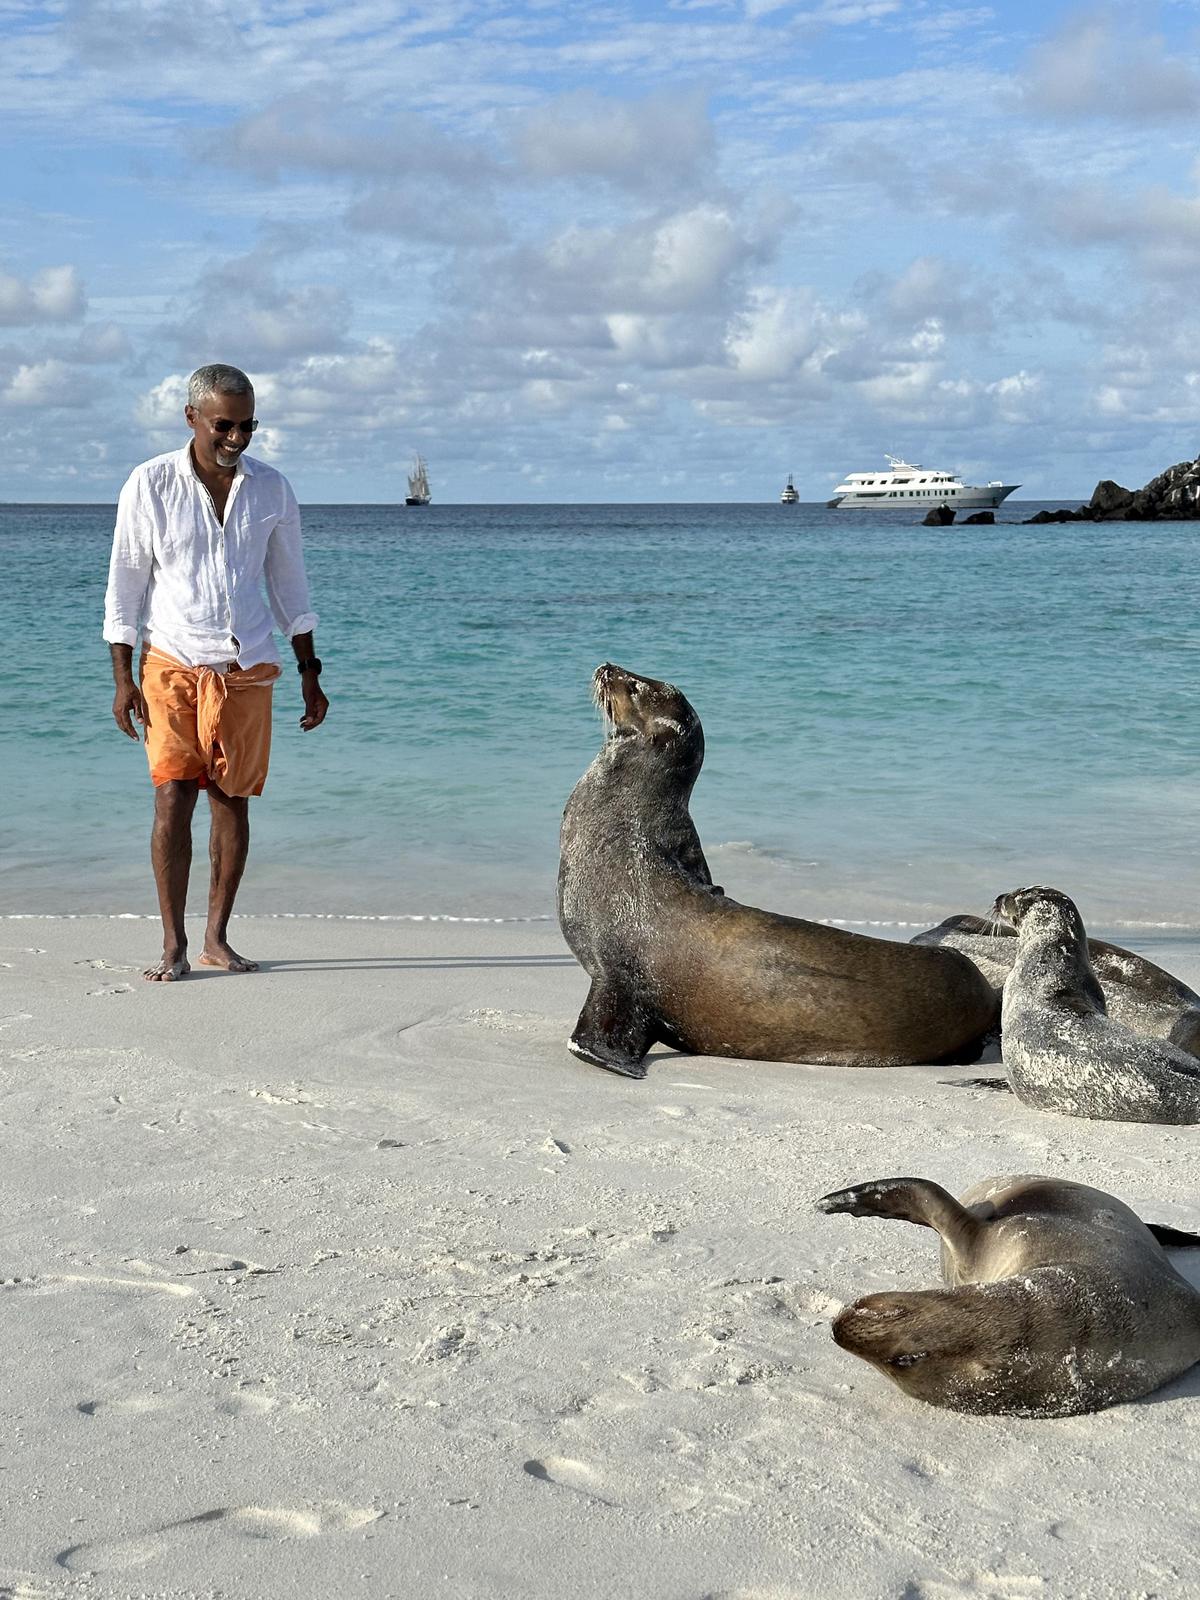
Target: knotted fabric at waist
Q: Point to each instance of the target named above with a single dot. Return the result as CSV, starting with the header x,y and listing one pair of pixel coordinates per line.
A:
x,y
231,708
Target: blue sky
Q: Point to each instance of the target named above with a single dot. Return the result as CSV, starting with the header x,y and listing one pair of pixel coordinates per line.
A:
x,y
638,251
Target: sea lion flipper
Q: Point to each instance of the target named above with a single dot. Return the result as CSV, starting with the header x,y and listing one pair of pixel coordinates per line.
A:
x,y
614,1030
1174,1238
909,1200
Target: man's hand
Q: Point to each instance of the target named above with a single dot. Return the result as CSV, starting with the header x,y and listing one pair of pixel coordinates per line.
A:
x,y
315,703
127,704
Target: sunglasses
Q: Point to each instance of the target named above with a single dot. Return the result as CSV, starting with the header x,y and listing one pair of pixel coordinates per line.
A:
x,y
223,425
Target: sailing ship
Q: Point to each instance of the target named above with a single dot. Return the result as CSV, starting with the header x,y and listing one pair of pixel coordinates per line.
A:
x,y
418,485
790,495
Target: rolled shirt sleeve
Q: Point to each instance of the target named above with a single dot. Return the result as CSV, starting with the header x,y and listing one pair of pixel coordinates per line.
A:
x,y
287,582
129,566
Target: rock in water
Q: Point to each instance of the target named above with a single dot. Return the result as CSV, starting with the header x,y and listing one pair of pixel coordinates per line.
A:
x,y
939,517
1173,496
981,516
1108,498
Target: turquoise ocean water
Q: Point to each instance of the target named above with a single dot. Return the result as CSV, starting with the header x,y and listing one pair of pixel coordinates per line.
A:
x,y
901,721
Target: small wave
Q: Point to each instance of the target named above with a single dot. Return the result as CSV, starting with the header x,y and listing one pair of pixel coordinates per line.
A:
x,y
759,852
270,916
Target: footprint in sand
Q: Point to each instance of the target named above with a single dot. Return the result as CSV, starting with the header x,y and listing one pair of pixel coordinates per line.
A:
x,y
246,1522
112,988
247,1403
48,1282
125,1405
193,1262
977,1586
445,1343
565,1473
289,1095
753,1594
22,1588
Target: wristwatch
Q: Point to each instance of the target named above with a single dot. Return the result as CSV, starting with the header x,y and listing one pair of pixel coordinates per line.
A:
x,y
309,664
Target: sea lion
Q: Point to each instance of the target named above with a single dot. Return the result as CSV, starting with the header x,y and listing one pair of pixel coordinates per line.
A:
x,y
1142,996
1060,1301
1062,1051
673,959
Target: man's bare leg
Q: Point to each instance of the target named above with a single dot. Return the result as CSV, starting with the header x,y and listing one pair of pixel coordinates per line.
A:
x,y
171,855
228,846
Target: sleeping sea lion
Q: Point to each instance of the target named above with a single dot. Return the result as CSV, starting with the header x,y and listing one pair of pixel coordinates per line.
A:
x,y
1060,1299
1062,1051
672,958
1139,994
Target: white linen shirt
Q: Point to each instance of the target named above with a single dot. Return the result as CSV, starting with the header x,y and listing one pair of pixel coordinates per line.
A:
x,y
195,588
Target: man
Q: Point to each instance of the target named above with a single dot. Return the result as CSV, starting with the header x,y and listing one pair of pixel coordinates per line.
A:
x,y
198,531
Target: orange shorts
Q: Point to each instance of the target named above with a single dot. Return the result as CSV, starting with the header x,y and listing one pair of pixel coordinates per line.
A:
x,y
209,723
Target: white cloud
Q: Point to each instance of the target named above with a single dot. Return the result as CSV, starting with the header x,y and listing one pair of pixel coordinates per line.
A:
x,y
420,210
651,144
674,263
54,294
243,312
931,288
777,331
1097,67
161,408
314,131
43,384
97,344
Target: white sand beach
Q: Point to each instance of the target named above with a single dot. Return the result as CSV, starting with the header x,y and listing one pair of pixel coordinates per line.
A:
x,y
346,1279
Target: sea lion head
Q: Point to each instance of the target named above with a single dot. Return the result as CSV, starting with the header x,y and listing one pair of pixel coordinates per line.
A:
x,y
960,1348
644,713
1038,910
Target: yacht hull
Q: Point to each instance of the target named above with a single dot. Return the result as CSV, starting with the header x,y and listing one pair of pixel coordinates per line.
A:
x,y
966,497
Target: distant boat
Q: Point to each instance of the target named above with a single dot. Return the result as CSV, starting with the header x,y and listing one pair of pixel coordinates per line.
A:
x,y
790,495
919,488
418,485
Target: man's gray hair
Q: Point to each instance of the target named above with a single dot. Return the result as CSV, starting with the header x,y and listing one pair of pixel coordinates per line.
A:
x,y
217,379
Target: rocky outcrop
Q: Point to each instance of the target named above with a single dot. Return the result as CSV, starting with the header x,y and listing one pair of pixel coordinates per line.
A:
x,y
1173,496
981,516
938,517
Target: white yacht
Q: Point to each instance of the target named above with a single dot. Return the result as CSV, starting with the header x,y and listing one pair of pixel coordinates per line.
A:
x,y
904,487
791,494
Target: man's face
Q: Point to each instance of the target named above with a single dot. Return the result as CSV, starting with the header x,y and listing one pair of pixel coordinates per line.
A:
x,y
217,445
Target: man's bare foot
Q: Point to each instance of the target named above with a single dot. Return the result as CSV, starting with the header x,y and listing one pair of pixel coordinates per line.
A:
x,y
217,953
168,970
